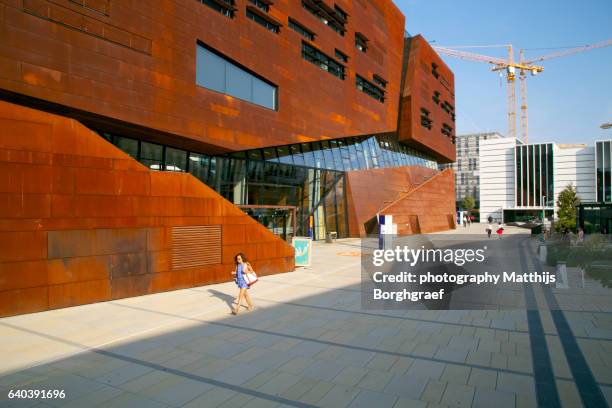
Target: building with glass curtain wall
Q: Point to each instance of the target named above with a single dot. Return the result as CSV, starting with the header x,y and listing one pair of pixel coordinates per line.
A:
x,y
300,118
596,216
522,182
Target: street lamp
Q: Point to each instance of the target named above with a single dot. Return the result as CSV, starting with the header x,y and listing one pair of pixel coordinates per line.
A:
x,y
606,125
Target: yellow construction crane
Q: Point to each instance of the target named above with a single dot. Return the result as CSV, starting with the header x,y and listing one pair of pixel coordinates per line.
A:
x,y
510,68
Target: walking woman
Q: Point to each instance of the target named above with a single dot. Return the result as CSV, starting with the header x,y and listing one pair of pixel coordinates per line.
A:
x,y
500,230
242,267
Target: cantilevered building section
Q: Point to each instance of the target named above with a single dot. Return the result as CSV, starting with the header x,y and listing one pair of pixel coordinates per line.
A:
x,y
145,146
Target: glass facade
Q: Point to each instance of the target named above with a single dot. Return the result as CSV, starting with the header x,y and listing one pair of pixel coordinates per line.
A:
x,y
534,175
217,73
351,153
305,179
603,172
595,218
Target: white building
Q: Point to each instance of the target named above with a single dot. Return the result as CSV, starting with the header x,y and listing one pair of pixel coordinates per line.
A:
x,y
519,181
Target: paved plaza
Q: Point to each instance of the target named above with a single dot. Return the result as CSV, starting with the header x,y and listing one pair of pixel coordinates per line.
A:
x,y
309,343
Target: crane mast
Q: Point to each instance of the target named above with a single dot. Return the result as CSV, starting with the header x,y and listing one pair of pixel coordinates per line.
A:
x,y
510,67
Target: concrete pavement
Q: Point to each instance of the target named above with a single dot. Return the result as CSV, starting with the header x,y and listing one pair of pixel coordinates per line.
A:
x,y
308,343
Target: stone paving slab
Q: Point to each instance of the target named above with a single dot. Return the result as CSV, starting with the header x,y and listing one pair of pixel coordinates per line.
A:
x,y
308,343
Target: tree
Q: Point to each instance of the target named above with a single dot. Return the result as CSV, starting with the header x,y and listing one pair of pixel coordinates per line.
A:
x,y
567,202
468,203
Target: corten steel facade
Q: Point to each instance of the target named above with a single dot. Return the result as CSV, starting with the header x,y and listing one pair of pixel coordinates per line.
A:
x,y
427,109
135,62
285,109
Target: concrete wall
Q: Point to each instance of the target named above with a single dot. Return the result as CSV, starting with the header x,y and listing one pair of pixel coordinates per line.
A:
x,y
496,159
82,222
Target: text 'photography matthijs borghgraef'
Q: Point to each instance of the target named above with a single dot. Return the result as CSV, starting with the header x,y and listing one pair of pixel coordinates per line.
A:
x,y
411,274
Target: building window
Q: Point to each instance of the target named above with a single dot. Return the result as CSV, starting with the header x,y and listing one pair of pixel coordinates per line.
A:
x,y
341,13
425,118
380,81
326,15
434,70
225,7
216,72
436,97
300,29
370,89
447,130
341,56
361,42
269,25
310,53
262,5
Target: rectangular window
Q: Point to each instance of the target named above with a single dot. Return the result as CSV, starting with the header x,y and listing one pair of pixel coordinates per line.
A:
x,y
434,70
311,54
261,5
436,97
225,7
215,72
267,24
370,89
340,13
176,160
325,14
447,130
380,81
361,42
151,155
425,119
341,56
300,29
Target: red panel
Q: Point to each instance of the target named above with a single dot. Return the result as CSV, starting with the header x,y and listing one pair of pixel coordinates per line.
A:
x,y
101,233
418,93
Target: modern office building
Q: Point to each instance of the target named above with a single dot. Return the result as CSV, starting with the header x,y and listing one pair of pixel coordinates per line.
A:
x,y
466,166
596,216
144,144
519,181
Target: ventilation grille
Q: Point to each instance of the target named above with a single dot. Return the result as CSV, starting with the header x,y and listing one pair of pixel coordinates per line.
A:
x,y
195,246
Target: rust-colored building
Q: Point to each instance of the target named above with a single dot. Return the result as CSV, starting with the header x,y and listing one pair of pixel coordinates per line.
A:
x,y
143,144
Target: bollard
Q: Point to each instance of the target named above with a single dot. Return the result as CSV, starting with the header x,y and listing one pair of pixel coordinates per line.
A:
x,y
562,276
543,253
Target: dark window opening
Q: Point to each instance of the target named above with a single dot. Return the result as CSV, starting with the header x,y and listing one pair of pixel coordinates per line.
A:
x,y
380,81
434,70
300,29
436,97
326,15
361,42
370,89
225,7
341,56
262,5
311,54
270,26
447,130
426,120
341,13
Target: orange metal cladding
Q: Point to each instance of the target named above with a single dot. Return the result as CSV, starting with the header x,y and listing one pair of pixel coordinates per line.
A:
x,y
83,222
418,93
135,62
414,194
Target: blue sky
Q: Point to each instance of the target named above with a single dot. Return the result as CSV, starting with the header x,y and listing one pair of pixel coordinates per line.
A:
x,y
567,102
